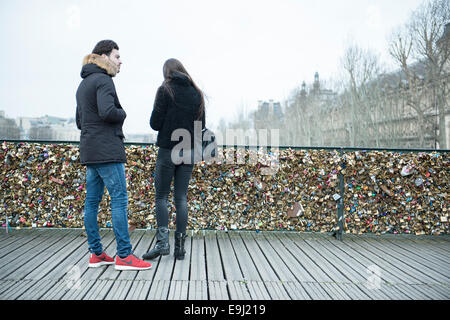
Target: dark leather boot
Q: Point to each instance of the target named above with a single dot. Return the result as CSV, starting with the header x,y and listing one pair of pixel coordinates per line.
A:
x,y
179,251
161,247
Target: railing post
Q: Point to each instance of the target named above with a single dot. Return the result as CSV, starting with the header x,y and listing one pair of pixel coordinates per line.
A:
x,y
340,205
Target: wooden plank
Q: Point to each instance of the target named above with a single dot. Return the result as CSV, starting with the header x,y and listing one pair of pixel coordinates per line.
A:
x,y
351,271
56,260
238,290
75,258
163,275
296,290
15,233
294,243
279,242
413,291
434,245
440,243
231,267
393,291
139,290
104,288
111,273
331,271
218,290
374,294
346,258
99,290
335,291
198,259
54,292
178,290
6,285
354,292
361,262
388,271
430,292
198,290
159,290
258,290
20,251
424,257
414,261
89,275
278,265
20,238
420,249
61,288
166,264
17,289
213,260
248,268
38,290
442,288
316,291
149,234
398,262
50,281
265,270
119,289
25,264
94,273
181,269
124,281
141,241
277,290
80,292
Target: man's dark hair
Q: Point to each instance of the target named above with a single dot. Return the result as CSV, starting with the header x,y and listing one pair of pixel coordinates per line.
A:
x,y
105,47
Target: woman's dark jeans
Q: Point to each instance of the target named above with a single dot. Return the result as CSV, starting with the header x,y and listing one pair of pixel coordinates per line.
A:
x,y
166,171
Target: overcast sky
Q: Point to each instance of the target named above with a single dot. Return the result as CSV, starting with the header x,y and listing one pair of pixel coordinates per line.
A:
x,y
238,51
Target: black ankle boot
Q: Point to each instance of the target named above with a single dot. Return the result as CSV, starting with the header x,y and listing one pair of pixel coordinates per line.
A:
x,y
179,251
161,247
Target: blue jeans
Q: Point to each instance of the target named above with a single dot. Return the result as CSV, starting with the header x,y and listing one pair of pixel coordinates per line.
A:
x,y
111,175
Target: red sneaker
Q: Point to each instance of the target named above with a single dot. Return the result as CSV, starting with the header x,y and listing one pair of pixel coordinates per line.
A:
x,y
96,261
131,263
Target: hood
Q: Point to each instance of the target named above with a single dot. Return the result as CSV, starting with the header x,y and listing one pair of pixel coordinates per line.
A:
x,y
94,63
180,78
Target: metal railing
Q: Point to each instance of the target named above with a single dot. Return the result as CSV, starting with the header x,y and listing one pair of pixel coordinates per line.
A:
x,y
339,203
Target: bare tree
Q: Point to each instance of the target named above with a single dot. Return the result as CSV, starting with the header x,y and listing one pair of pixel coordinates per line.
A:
x,y
362,69
416,50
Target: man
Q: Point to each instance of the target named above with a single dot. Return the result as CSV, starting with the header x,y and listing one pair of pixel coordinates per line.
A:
x,y
100,118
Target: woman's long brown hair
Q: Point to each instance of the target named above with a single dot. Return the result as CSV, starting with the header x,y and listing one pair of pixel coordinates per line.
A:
x,y
173,66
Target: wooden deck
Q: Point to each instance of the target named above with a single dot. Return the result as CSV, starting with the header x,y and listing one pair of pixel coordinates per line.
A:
x,y
42,264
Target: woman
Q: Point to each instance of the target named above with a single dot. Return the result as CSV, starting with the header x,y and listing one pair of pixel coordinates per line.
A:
x,y
178,103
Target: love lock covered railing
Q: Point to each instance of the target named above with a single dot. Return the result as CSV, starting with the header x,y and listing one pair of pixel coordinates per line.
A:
x,y
319,189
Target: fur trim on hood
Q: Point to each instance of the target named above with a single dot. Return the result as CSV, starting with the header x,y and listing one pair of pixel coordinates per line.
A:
x,y
102,62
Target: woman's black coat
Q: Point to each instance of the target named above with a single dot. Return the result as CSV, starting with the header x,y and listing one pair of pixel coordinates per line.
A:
x,y
180,112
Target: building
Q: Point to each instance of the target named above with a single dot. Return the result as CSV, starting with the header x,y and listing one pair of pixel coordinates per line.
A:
x,y
49,128
8,128
269,116
307,115
395,110
140,138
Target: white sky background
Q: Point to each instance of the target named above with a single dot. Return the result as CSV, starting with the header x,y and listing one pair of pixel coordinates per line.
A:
x,y
237,51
